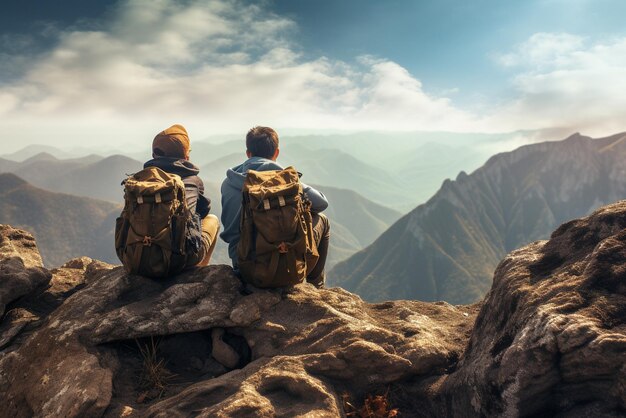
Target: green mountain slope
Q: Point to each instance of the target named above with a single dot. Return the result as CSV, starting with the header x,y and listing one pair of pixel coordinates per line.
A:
x,y
448,248
355,222
363,219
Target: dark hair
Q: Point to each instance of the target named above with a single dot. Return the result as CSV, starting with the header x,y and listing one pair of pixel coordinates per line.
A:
x,y
262,141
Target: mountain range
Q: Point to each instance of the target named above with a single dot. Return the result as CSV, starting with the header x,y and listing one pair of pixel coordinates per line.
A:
x,y
65,225
357,221
447,249
91,176
397,170
70,225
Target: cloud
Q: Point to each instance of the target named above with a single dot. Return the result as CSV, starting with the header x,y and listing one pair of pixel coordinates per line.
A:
x,y
390,90
219,66
564,80
223,66
543,49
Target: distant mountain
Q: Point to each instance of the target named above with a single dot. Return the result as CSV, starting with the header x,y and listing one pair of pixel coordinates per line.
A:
x,y
91,176
65,226
32,150
338,169
363,219
356,221
422,169
448,248
203,153
100,180
7,166
398,170
384,149
41,156
215,171
401,176
329,167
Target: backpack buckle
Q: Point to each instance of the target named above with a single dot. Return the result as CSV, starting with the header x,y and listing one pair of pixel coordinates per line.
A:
x,y
282,248
147,241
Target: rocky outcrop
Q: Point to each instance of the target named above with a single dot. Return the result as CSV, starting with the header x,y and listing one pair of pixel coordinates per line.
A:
x,y
297,349
549,340
21,267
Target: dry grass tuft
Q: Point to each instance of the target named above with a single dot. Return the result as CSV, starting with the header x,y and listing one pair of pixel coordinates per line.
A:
x,y
377,406
155,377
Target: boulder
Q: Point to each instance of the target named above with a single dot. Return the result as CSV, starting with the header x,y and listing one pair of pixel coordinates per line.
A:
x,y
21,266
550,339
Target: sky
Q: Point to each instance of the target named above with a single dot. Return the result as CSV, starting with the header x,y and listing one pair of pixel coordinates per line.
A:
x,y
117,72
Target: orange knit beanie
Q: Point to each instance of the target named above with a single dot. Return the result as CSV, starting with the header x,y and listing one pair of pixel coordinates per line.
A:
x,y
172,142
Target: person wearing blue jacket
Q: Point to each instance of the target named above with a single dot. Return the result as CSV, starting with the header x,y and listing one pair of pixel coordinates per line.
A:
x,y
262,151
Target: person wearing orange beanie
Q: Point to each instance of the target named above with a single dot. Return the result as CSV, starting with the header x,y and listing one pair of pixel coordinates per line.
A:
x,y
170,153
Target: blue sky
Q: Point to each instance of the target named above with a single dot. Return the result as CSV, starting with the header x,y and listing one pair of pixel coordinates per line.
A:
x,y
483,65
446,43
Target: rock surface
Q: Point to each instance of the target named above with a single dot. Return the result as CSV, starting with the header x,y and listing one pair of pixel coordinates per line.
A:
x,y
549,340
299,348
21,267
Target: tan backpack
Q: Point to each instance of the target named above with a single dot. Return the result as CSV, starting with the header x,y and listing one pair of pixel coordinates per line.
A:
x,y
150,234
276,247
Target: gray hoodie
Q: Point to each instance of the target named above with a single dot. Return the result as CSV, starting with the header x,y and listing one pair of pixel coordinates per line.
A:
x,y
231,199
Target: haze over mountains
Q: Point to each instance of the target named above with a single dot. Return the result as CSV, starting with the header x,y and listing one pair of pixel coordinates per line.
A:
x,y
397,170
366,175
91,176
72,226
63,224
448,248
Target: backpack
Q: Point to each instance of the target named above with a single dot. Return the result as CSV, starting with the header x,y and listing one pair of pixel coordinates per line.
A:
x,y
156,230
276,247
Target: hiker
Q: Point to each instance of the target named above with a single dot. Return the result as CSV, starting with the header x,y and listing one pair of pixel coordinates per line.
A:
x,y
155,193
262,150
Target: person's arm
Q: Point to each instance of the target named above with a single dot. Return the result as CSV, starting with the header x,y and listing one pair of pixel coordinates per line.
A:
x,y
318,201
194,195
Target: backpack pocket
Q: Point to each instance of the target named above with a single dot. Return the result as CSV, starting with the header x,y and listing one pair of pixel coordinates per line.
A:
x,y
177,238
121,233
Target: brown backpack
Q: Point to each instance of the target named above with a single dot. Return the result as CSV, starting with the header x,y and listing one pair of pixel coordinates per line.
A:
x,y
276,247
150,234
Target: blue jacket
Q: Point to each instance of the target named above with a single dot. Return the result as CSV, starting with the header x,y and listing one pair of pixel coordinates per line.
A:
x,y
231,199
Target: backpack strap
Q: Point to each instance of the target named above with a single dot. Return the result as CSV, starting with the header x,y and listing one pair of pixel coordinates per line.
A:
x,y
137,260
273,266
